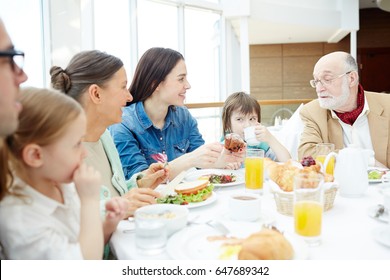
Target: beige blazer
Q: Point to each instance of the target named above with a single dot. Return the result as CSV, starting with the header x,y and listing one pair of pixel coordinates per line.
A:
x,y
320,127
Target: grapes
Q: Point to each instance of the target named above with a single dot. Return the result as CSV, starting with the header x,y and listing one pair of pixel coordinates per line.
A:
x,y
308,161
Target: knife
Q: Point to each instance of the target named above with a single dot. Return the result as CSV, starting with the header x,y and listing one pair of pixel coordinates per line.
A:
x,y
170,187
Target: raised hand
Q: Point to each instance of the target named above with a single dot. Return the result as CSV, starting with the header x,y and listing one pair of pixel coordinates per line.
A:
x,y
156,174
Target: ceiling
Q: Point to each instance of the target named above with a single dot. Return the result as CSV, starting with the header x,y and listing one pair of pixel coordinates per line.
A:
x,y
294,22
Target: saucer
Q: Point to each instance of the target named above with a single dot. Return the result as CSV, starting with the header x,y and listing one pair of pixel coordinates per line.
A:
x,y
382,235
265,218
382,218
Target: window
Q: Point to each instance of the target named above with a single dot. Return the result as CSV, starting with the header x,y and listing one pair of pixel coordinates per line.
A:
x,y
27,37
112,29
157,26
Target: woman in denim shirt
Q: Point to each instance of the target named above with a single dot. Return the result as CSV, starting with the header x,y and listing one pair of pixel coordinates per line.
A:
x,y
240,111
98,81
157,121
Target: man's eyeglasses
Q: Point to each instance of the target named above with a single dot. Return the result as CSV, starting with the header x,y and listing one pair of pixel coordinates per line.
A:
x,y
326,82
16,59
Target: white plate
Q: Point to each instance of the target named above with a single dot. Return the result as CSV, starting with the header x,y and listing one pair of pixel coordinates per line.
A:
x,y
382,218
382,235
240,179
191,242
379,169
208,201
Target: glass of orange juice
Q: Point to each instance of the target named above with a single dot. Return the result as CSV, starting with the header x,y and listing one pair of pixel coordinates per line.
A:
x,y
254,167
322,150
308,207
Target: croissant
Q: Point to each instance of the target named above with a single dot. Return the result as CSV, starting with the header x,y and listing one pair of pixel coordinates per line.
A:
x,y
283,174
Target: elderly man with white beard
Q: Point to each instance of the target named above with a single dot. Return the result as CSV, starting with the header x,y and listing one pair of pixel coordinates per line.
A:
x,y
344,113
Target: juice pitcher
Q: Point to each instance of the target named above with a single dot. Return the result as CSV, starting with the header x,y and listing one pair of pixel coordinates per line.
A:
x,y
350,171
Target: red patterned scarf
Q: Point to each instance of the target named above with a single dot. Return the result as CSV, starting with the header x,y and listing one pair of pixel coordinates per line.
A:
x,y
350,117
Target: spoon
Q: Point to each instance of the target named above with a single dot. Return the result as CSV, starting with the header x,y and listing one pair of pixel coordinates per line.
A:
x,y
379,211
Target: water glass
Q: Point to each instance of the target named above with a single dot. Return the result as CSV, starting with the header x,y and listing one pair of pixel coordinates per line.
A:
x,y
150,233
322,150
308,207
254,168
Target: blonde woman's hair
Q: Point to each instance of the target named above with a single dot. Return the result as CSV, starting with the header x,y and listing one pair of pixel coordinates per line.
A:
x,y
46,115
241,101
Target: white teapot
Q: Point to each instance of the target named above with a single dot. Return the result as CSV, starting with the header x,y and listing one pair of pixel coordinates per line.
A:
x,y
350,170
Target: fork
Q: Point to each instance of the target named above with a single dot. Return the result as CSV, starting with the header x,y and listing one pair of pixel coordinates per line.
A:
x,y
220,227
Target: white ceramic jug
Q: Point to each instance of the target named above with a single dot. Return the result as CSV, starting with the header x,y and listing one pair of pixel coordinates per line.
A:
x,y
350,171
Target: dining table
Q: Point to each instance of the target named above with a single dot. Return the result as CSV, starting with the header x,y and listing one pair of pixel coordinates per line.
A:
x,y
350,230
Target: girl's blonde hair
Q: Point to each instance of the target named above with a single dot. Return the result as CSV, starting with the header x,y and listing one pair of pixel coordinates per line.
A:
x,y
45,116
241,101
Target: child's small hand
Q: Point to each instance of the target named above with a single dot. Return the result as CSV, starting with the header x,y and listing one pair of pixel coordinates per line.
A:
x,y
116,209
87,181
262,133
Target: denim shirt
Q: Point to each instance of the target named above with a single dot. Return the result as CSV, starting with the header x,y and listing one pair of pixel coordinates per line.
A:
x,y
136,139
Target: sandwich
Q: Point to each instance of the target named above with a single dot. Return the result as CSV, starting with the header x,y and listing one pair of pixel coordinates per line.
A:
x,y
189,192
195,191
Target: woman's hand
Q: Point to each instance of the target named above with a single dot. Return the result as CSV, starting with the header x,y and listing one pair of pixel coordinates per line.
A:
x,y
140,197
231,160
206,155
156,174
233,165
214,155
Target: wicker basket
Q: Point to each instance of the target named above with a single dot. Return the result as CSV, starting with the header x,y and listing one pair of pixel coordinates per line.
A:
x,y
284,200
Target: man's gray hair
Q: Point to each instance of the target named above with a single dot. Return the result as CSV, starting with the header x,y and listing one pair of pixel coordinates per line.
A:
x,y
350,64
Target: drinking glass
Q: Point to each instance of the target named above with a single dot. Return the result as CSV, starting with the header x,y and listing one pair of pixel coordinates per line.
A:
x,y
150,233
308,207
322,150
254,167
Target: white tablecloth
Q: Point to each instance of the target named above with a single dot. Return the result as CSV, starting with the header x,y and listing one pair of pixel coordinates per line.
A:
x,y
347,231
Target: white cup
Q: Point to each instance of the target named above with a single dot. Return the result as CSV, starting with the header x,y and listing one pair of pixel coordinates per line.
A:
x,y
245,207
250,136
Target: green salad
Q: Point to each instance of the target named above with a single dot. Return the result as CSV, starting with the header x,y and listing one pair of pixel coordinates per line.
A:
x,y
375,174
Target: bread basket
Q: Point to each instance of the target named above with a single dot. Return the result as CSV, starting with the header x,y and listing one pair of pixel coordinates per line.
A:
x,y
284,200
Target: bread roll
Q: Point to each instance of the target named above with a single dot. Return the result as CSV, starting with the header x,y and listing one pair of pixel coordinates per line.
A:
x,y
234,142
267,244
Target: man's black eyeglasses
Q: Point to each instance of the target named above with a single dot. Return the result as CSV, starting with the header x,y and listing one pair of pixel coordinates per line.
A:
x,y
16,59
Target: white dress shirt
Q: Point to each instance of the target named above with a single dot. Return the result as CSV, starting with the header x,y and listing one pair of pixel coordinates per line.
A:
x,y
33,226
358,133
